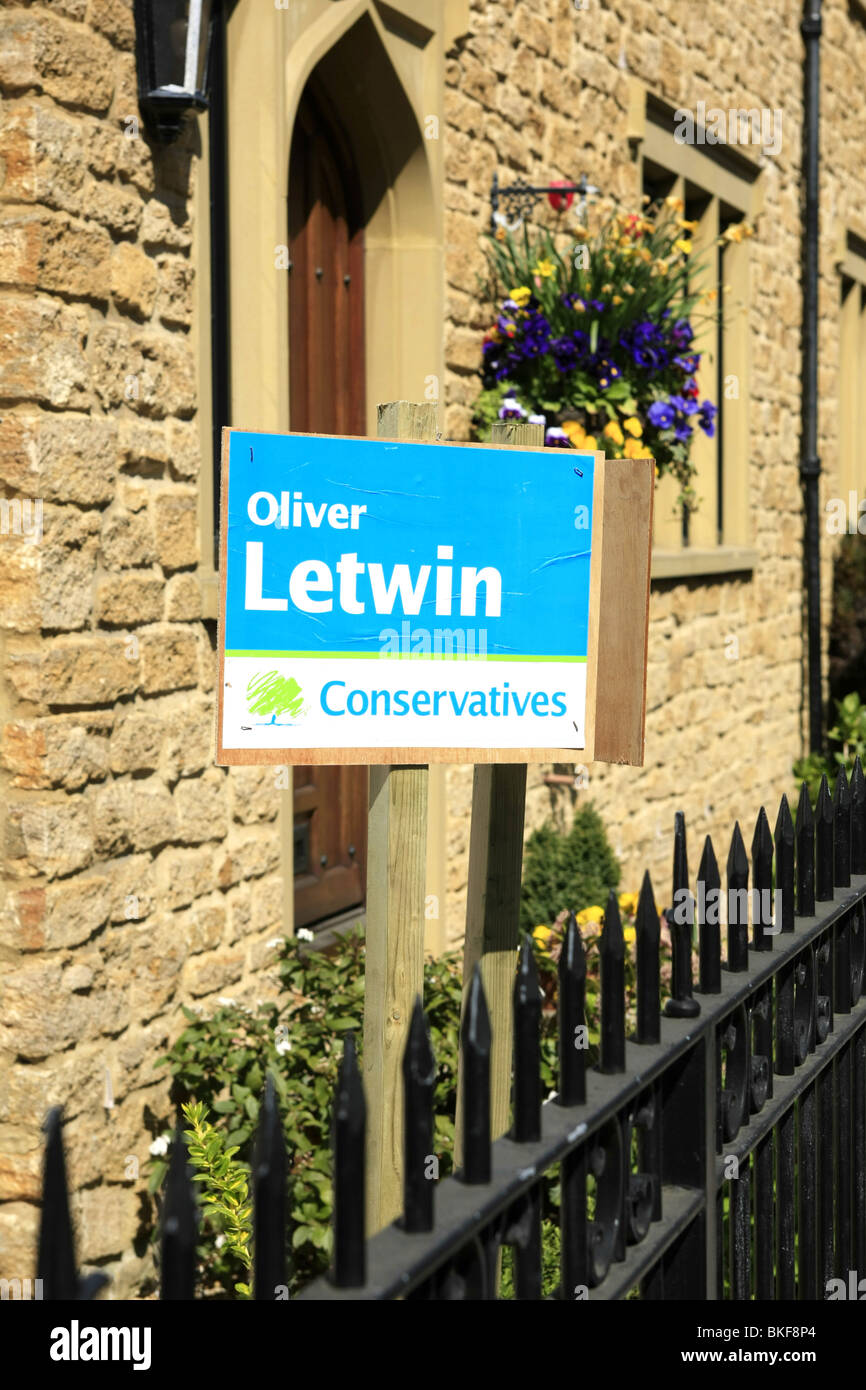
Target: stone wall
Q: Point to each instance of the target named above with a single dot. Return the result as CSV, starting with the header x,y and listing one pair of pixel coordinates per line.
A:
x,y
137,874
542,92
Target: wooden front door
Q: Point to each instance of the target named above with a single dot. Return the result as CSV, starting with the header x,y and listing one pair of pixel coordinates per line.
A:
x,y
326,383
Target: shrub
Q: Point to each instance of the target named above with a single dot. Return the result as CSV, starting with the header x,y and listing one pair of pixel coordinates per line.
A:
x,y
569,871
847,742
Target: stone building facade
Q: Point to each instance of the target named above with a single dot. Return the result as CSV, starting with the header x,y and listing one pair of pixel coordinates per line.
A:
x,y
136,874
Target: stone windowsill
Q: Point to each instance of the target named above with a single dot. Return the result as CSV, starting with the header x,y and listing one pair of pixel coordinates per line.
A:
x,y
694,563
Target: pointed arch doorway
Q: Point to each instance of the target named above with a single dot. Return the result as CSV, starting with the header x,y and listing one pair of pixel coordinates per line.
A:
x,y
326,396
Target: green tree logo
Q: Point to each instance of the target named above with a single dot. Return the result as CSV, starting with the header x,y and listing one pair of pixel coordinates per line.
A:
x,y
270,693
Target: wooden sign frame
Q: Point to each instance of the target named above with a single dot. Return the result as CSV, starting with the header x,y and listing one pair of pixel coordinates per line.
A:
x,y
616,647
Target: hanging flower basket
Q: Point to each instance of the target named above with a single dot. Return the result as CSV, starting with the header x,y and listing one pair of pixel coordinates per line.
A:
x,y
598,343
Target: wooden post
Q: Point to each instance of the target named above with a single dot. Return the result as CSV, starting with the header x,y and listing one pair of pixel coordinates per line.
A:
x,y
493,890
396,880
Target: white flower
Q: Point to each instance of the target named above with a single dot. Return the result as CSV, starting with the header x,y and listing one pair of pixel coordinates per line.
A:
x,y
303,934
220,1242
276,941
284,1046
159,1147
226,1002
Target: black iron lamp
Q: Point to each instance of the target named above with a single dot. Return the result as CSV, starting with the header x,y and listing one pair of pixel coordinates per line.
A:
x,y
172,42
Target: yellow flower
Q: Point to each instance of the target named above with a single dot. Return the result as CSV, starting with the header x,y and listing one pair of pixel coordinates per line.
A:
x,y
520,295
683,244
589,442
501,233
590,914
628,902
687,226
708,296
629,934
575,431
545,268
613,431
661,267
606,289
676,203
542,935
636,449
633,425
617,299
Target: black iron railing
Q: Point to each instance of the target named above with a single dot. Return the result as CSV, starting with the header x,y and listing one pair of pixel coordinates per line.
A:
x,y
719,1153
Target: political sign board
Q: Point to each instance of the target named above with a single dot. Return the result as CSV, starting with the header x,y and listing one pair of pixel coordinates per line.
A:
x,y
386,601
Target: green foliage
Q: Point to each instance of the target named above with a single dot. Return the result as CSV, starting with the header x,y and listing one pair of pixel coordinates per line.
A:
x,y
847,742
226,1186
221,1061
567,871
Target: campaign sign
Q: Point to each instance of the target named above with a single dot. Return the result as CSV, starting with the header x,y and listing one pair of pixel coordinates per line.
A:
x,y
382,595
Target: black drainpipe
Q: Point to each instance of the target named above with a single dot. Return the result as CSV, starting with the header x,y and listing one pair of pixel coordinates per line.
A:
x,y
810,462
219,252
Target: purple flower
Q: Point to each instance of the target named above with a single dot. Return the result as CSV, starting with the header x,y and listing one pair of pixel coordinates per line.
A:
x,y
511,409
557,438
686,407
688,364
661,415
706,416
598,305
682,431
681,333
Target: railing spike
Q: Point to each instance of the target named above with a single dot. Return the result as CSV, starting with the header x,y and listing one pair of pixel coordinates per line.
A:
x,y
527,1038
842,831
269,1199
573,1035
783,839
824,831
682,1003
419,1079
762,882
648,941
350,1131
179,1227
709,922
738,903
55,1264
611,951
858,819
805,841
475,1037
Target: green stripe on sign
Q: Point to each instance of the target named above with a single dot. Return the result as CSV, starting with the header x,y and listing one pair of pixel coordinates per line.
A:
x,y
403,656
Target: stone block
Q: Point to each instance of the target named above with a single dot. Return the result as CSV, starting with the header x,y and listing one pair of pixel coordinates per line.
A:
x,y
127,540
48,838
125,600
169,659
42,352
177,530
60,458
201,808
38,50
133,281
135,743
255,795
183,875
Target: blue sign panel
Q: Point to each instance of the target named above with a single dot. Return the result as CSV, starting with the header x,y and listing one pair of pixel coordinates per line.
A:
x,y
382,595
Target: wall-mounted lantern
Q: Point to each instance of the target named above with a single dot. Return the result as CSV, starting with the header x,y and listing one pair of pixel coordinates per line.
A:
x,y
171,41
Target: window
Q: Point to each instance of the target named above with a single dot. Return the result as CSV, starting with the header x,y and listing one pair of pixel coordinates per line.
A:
x,y
852,369
719,188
